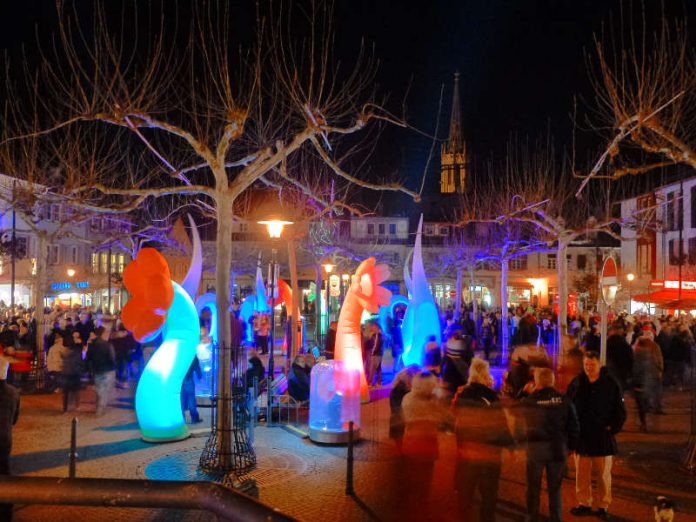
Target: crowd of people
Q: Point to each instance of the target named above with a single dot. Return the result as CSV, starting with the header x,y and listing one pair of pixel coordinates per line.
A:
x,y
571,411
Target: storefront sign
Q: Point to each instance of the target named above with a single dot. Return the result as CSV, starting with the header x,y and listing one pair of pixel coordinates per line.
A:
x,y
66,285
686,285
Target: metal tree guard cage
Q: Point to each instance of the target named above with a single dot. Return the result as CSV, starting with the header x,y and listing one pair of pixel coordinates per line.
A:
x,y
234,454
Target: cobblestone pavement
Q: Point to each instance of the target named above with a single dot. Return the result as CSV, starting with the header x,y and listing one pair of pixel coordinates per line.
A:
x,y
308,481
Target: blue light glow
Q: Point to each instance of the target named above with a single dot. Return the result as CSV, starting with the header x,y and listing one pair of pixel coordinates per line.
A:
x,y
158,397
422,318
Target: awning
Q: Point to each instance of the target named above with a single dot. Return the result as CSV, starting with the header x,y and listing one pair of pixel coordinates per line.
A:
x,y
670,299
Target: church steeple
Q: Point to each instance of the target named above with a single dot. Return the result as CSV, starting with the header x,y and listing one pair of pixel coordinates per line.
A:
x,y
453,152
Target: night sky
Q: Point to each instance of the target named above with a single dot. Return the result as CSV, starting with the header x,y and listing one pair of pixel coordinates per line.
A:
x,y
521,63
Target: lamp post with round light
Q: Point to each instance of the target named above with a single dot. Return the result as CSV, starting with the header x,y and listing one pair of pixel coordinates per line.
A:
x,y
328,266
630,277
275,226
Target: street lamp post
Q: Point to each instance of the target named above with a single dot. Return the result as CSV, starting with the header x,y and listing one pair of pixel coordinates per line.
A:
x,y
71,274
345,278
630,277
328,268
275,230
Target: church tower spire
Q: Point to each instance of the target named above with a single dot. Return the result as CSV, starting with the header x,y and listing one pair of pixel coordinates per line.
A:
x,y
453,152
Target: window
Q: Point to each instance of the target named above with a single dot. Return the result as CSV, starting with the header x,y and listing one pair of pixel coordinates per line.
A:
x,y
382,229
551,261
95,224
430,230
53,254
95,263
645,259
392,229
54,214
120,261
444,231
73,255
581,261
674,211
244,227
21,247
692,251
518,263
370,229
674,252
103,262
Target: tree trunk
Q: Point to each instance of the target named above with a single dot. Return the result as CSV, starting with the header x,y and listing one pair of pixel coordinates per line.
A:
x,y
223,264
39,292
317,307
505,331
458,304
562,284
294,315
474,305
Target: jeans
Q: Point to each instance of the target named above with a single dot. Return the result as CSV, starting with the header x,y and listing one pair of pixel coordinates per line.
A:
x,y
188,399
554,480
482,475
375,370
103,384
71,391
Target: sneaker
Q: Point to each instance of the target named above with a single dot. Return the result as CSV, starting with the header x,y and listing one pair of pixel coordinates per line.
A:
x,y
581,511
603,514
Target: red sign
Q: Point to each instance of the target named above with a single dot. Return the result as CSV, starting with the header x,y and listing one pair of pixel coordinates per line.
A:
x,y
453,294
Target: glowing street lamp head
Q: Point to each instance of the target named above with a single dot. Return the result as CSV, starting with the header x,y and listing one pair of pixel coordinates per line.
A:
x,y
71,272
328,266
630,277
274,226
345,277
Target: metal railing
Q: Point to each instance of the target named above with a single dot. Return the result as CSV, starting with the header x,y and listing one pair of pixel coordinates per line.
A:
x,y
124,493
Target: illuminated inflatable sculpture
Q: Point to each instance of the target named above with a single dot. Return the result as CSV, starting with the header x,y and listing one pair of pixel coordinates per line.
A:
x,y
160,305
422,318
334,401
364,293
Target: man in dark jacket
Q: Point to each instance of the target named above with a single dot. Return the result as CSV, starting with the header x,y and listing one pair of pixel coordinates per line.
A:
x,y
101,358
552,430
9,413
619,357
482,433
598,400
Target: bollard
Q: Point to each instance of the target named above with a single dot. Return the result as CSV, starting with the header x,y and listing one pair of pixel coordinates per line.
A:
x,y
73,449
349,470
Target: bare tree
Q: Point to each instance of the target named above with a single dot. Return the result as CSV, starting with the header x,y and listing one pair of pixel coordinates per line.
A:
x,y
208,122
645,92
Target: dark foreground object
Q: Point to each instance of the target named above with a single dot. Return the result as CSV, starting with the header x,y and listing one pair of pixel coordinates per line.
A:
x,y
206,496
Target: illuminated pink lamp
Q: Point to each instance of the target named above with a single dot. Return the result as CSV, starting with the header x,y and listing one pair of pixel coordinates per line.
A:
x,y
364,293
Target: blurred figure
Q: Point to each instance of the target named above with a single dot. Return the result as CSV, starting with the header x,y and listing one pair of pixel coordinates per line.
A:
x,y
101,358
9,413
400,387
298,379
374,376
619,356
482,433
422,415
54,361
255,370
330,345
552,430
647,377
71,374
455,365
188,391
601,412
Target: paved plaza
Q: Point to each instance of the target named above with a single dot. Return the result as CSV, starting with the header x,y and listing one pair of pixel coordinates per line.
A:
x,y
307,481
